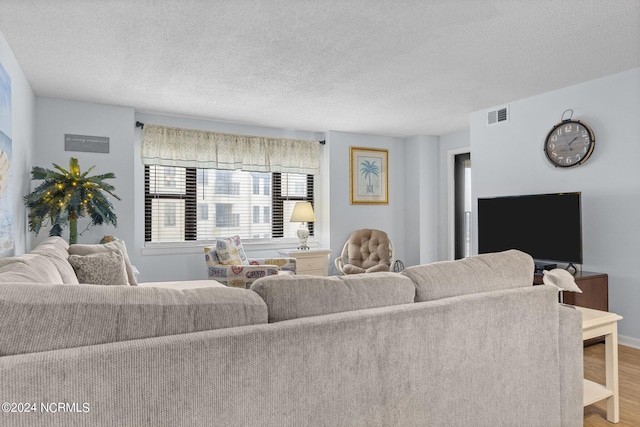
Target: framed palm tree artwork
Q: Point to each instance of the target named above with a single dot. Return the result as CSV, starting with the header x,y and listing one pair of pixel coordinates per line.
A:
x,y
369,176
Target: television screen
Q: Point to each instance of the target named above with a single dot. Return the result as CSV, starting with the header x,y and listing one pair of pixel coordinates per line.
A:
x,y
546,226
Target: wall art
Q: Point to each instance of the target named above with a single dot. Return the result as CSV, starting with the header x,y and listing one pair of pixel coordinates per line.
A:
x,y
369,176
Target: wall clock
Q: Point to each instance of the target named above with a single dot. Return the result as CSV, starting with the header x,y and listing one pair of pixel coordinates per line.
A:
x,y
569,143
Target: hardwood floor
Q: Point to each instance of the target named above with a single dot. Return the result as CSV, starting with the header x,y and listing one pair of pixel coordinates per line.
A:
x,y
629,386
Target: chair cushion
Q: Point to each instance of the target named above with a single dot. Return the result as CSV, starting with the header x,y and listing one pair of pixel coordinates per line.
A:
x,y
352,269
291,297
368,248
480,273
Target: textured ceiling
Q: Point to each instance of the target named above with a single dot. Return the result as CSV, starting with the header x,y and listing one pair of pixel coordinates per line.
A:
x,y
391,67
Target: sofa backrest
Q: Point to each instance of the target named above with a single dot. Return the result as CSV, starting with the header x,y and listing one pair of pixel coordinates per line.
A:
x,y
29,268
290,297
481,273
40,317
438,363
56,249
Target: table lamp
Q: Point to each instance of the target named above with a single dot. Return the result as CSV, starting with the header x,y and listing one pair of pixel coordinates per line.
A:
x,y
302,213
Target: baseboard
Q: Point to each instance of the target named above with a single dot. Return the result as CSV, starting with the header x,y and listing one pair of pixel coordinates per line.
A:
x,y
629,341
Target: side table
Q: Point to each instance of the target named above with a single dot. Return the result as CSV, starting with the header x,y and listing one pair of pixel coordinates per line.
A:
x,y
597,323
313,262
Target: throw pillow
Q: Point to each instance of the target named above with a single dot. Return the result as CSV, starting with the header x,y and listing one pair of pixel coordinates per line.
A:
x,y
561,279
227,251
87,249
243,256
104,268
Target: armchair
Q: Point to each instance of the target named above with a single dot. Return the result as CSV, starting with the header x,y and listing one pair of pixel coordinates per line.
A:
x,y
228,264
366,251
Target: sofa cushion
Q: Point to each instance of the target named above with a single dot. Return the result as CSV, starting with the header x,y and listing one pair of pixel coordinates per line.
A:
x,y
47,317
84,249
56,249
480,273
29,268
183,284
291,297
105,268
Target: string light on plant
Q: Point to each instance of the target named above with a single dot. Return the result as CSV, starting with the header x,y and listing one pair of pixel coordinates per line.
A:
x,y
69,201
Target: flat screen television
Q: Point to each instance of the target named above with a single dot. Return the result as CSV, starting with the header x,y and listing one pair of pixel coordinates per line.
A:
x,y
546,226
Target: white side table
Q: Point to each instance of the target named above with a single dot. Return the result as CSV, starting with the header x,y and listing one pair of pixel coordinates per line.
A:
x,y
313,262
596,323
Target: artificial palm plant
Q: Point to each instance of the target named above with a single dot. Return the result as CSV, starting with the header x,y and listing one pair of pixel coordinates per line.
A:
x,y
65,196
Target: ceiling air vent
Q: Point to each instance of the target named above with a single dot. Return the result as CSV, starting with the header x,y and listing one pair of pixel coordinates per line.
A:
x,y
500,115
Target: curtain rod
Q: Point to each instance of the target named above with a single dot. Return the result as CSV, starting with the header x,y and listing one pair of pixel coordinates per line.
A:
x,y
141,125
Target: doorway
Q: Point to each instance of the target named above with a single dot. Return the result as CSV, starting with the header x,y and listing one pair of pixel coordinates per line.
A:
x,y
462,205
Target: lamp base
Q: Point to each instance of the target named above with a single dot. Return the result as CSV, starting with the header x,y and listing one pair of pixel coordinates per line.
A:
x,y
303,235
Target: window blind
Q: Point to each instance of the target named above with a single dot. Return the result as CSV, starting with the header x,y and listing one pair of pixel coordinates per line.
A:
x,y
190,204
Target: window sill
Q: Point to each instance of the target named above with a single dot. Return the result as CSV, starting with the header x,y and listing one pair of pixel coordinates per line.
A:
x,y
178,248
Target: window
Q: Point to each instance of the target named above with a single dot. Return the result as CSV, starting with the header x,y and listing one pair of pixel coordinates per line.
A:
x,y
169,176
203,211
266,186
256,214
204,204
225,184
256,184
225,217
203,176
287,190
170,215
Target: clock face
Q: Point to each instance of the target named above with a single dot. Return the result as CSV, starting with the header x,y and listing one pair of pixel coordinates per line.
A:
x,y
569,143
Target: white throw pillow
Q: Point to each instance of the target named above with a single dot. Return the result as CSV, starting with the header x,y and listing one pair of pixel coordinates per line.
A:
x,y
230,251
560,278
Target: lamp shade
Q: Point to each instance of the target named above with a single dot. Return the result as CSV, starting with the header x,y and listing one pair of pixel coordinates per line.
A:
x,y
302,212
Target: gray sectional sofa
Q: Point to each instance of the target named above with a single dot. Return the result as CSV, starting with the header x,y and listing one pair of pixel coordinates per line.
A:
x,y
463,343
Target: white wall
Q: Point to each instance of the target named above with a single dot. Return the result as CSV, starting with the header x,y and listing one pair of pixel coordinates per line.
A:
x,y
421,195
57,117
508,159
22,134
345,217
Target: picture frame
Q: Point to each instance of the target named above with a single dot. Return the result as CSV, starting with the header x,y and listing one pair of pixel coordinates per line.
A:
x,y
368,176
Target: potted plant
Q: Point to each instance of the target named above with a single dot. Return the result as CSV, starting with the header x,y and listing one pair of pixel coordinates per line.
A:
x,y
65,196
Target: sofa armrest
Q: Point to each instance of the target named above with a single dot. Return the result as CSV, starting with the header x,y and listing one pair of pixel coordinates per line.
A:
x,y
571,354
240,276
284,264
